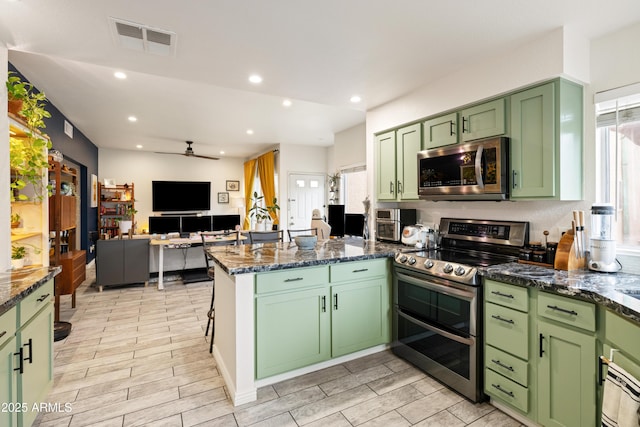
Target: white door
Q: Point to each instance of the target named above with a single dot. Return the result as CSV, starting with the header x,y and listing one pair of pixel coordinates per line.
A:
x,y
306,193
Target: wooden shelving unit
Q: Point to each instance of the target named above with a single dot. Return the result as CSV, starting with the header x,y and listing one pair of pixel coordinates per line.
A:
x,y
62,224
114,202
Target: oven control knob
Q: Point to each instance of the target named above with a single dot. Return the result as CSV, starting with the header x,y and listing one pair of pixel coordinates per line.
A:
x,y
411,261
460,271
428,264
448,268
402,258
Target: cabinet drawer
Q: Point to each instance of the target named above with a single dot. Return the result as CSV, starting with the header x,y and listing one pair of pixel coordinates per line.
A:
x,y
291,279
512,296
7,325
506,390
507,330
580,314
358,270
507,365
33,303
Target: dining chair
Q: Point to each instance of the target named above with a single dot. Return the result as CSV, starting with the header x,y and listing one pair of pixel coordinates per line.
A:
x,y
207,242
273,236
302,231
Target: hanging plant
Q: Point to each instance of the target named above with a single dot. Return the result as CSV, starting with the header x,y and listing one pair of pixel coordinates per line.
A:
x,y
28,154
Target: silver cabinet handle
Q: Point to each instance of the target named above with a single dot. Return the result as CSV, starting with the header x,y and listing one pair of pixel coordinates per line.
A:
x,y
514,179
391,187
399,186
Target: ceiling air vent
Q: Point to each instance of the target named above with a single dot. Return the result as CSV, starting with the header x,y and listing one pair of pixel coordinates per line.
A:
x,y
143,38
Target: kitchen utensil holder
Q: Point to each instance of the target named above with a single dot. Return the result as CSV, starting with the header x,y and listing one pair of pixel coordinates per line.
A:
x,y
566,255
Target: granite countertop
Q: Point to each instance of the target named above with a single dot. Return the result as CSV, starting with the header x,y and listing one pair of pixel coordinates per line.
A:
x,y
619,292
279,256
16,285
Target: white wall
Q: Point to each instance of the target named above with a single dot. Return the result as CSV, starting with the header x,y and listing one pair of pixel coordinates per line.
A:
x,y
349,147
142,167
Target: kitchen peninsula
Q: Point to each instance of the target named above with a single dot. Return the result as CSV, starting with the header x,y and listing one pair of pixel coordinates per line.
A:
x,y
282,311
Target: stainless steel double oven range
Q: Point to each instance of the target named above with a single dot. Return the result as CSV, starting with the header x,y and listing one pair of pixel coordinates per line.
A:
x,y
437,299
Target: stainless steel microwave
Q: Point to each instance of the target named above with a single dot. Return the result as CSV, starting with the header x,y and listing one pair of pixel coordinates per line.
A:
x,y
477,170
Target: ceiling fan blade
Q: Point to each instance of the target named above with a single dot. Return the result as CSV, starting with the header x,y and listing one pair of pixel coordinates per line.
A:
x,y
204,157
164,152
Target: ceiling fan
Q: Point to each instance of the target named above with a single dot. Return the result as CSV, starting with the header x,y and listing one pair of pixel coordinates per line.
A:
x,y
190,153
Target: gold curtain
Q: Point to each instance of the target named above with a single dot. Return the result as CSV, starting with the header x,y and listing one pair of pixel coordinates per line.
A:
x,y
266,169
249,177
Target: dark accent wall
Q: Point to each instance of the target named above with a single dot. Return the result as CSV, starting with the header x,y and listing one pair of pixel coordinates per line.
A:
x,y
83,152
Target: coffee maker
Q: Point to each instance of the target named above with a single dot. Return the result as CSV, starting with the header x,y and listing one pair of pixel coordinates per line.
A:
x,y
602,243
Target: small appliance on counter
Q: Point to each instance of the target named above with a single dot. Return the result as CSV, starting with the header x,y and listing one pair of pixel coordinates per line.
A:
x,y
390,223
416,235
602,244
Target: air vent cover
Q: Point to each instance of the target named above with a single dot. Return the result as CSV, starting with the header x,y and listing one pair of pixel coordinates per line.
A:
x,y
143,38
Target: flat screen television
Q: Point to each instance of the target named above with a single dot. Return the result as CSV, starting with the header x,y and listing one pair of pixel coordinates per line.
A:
x,y
225,222
353,224
180,196
193,224
164,224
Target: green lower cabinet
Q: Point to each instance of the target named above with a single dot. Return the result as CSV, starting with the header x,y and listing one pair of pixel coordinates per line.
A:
x,y
292,330
8,382
566,376
359,316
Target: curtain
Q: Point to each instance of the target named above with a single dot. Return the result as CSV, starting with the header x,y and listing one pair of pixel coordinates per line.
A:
x,y
249,177
266,172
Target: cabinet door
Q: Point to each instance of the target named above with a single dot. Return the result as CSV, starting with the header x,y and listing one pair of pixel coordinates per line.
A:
x,y
386,166
533,156
292,330
8,381
360,316
36,341
408,143
566,376
441,131
109,262
483,121
136,261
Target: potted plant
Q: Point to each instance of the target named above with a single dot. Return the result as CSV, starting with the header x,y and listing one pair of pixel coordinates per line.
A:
x,y
126,223
258,211
18,253
273,209
15,220
16,93
28,155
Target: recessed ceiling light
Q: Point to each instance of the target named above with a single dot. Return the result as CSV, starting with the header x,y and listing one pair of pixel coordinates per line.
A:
x,y
355,99
221,152
120,75
249,131
133,119
255,79
286,103
138,146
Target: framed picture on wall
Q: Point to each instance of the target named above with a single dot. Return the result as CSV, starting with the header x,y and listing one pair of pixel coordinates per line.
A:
x,y
233,185
223,197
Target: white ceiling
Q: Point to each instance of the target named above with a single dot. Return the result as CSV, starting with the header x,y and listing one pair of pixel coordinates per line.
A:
x,y
315,53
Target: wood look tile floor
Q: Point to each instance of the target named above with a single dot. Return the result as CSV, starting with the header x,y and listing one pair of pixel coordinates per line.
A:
x,y
137,356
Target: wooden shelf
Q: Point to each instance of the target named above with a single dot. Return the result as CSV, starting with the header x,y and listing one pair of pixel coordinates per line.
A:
x,y
22,236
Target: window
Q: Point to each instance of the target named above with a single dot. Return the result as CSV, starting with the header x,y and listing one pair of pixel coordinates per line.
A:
x,y
618,163
354,189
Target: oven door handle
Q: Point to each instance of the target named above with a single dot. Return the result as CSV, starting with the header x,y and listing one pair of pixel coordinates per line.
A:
x,y
443,289
454,337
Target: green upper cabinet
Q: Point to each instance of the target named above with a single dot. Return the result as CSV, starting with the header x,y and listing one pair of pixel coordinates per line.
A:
x,y
386,166
397,164
483,121
546,142
441,131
